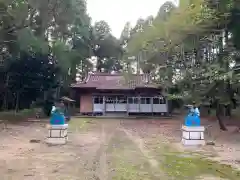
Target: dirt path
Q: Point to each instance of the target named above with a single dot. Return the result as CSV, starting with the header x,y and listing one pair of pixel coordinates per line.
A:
x,y
100,150
100,163
103,174
140,144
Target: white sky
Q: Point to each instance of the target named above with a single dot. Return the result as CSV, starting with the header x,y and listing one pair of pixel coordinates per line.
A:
x,y
118,12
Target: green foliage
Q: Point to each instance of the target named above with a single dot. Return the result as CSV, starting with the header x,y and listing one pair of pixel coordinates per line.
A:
x,y
194,46
39,49
38,76
106,48
28,41
44,44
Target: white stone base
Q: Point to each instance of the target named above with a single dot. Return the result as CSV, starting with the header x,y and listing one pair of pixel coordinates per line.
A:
x,y
193,135
57,134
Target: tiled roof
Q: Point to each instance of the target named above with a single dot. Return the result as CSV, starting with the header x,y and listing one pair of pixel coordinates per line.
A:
x,y
115,81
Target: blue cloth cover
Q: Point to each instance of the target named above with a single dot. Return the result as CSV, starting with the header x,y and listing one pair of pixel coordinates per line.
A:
x,y
57,118
192,119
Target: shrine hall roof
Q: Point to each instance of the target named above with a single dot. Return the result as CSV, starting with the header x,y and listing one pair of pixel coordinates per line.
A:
x,y
116,81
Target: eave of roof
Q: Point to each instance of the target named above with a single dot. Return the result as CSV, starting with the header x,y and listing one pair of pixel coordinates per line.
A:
x,y
108,81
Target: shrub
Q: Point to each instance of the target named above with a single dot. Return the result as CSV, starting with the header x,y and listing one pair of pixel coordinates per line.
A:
x,y
21,115
11,116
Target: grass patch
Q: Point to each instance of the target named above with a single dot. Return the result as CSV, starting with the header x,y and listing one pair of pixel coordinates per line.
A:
x,y
77,124
189,165
126,162
184,166
128,171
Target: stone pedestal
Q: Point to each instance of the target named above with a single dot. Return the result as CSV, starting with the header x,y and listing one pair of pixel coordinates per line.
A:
x,y
193,135
57,134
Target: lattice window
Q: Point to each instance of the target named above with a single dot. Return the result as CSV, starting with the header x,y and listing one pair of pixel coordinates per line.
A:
x,y
98,99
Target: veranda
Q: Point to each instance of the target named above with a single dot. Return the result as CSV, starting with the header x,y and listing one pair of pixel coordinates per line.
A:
x,y
103,104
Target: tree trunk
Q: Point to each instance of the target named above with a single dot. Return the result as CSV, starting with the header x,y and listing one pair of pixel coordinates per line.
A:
x,y
229,110
5,100
220,121
17,102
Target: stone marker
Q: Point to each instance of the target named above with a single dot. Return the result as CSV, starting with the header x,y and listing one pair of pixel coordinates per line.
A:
x,y
57,134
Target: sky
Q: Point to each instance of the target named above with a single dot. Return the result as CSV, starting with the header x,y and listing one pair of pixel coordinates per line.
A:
x,y
118,12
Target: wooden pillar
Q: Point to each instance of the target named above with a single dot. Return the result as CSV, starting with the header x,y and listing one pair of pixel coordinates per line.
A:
x,y
93,98
127,107
139,103
151,99
166,100
104,105
114,104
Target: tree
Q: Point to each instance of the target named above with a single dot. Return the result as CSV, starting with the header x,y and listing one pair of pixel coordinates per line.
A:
x,y
106,48
196,53
39,76
165,10
125,34
40,35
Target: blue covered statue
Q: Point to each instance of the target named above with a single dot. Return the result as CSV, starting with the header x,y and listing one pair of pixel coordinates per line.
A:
x,y
193,117
57,114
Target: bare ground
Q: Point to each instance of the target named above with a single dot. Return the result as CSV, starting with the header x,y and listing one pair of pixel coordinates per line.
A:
x,y
227,143
98,149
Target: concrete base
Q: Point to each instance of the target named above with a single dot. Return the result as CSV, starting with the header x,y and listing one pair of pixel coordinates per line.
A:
x,y
193,135
57,134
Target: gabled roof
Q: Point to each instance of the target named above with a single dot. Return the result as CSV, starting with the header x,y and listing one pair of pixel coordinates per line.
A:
x,y
116,81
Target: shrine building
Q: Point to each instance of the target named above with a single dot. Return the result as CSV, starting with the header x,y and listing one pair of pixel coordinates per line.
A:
x,y
104,93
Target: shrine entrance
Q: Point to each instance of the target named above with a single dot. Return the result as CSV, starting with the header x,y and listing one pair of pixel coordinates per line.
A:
x,y
123,104
116,103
